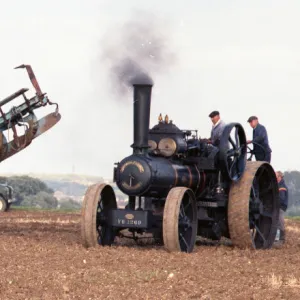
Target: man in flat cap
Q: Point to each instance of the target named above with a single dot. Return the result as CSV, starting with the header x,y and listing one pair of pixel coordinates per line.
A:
x,y
216,131
262,151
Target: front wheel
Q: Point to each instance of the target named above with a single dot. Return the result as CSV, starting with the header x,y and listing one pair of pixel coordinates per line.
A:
x,y
180,220
98,200
3,204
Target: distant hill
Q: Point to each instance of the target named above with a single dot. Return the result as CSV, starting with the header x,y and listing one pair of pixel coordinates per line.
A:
x,y
78,178
71,186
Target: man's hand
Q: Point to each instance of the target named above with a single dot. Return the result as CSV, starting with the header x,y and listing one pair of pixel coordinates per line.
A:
x,y
249,142
208,141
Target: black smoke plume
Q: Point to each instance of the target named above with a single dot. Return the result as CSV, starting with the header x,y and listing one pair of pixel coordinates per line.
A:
x,y
137,50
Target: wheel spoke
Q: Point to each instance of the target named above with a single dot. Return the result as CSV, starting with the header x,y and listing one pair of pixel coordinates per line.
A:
x,y
232,142
240,148
234,162
260,233
189,204
100,234
230,152
183,224
237,140
254,192
100,204
98,219
183,239
182,210
237,166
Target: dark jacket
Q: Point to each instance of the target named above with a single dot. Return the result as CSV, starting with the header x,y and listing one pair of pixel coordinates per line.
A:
x,y
260,136
283,195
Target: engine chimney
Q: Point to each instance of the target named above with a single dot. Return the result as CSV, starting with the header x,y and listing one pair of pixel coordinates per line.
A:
x,y
141,117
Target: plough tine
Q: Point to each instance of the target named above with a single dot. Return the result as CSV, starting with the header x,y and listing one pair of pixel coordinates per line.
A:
x,y
32,78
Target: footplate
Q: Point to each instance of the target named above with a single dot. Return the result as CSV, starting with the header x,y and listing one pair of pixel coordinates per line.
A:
x,y
130,219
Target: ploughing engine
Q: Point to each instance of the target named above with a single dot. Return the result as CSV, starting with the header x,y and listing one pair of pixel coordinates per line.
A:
x,y
178,191
23,116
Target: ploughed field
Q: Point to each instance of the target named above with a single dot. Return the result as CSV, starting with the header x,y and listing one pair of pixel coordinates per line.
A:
x,y
42,258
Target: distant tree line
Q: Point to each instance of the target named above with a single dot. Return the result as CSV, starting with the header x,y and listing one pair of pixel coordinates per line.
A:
x,y
33,192
67,187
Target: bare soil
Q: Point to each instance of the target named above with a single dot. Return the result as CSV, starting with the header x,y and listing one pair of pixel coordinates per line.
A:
x,y
42,258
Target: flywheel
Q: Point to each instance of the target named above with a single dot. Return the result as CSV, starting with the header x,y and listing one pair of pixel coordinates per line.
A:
x,y
233,152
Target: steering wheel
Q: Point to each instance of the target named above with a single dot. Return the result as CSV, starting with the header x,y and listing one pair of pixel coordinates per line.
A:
x,y
251,151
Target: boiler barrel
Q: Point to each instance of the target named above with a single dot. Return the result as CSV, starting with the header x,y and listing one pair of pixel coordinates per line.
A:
x,y
146,176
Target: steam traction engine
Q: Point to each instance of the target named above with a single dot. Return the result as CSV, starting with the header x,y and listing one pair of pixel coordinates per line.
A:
x,y
178,192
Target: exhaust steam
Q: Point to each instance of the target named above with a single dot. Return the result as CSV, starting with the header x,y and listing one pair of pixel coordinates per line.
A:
x,y
136,51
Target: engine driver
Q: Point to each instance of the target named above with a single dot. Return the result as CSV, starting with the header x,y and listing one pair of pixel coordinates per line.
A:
x,y
216,132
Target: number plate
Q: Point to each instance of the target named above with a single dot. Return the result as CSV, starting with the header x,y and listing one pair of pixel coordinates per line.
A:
x,y
129,218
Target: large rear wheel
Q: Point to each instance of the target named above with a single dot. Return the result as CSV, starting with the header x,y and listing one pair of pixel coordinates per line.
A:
x,y
99,199
180,220
253,207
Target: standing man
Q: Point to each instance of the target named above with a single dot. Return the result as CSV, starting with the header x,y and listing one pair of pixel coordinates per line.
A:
x,y
217,128
216,132
284,198
260,137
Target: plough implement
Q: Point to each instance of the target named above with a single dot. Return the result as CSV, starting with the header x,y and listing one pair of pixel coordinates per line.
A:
x,y
23,116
